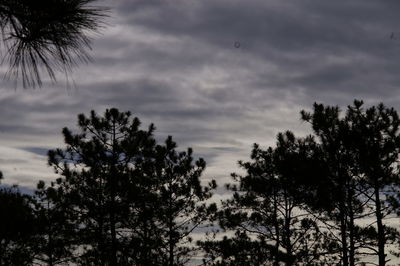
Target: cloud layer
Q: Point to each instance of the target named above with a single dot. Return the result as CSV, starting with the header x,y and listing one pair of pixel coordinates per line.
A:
x,y
174,63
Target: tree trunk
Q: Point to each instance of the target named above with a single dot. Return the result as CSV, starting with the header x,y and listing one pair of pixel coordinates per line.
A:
x,y
343,232
49,235
113,234
342,216
171,228
288,244
112,180
381,231
351,228
277,231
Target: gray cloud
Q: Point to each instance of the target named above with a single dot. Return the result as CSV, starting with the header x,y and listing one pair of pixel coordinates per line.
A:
x,y
173,63
306,41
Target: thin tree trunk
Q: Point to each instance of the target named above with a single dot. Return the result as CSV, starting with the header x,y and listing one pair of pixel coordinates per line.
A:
x,y
171,228
112,203
50,245
288,243
277,231
113,234
351,228
342,216
343,232
113,258
289,251
381,231
171,249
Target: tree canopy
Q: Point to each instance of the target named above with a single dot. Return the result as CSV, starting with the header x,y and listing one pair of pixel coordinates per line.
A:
x,y
131,200
121,197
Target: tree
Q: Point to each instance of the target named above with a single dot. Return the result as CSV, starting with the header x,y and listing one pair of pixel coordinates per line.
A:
x,y
48,34
53,242
377,131
239,250
267,207
337,185
96,166
181,207
360,152
16,227
132,201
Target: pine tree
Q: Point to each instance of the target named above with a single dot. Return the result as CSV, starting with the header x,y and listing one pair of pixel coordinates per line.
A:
x,y
131,201
359,152
182,207
377,141
16,227
267,208
54,240
97,167
335,185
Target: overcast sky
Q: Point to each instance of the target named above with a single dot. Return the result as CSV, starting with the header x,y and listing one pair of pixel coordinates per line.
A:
x,y
217,75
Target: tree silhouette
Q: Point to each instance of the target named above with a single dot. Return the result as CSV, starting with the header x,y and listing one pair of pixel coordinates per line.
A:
x,y
46,34
359,152
96,165
54,240
337,185
239,250
267,207
181,206
16,227
131,201
377,131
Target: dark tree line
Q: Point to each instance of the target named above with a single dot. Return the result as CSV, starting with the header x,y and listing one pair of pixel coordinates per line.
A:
x,y
122,198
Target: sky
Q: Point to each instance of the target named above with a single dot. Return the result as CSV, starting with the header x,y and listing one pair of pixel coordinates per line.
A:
x,y
217,75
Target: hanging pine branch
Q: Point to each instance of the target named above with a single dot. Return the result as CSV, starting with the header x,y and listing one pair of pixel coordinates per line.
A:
x,y
46,36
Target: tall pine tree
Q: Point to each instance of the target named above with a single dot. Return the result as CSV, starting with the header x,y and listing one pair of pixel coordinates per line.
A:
x,y
97,165
132,201
268,209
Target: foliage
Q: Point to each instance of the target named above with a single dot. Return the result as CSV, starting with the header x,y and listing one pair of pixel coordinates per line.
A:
x,y
181,207
268,205
134,201
122,198
98,166
16,227
55,233
48,34
360,151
